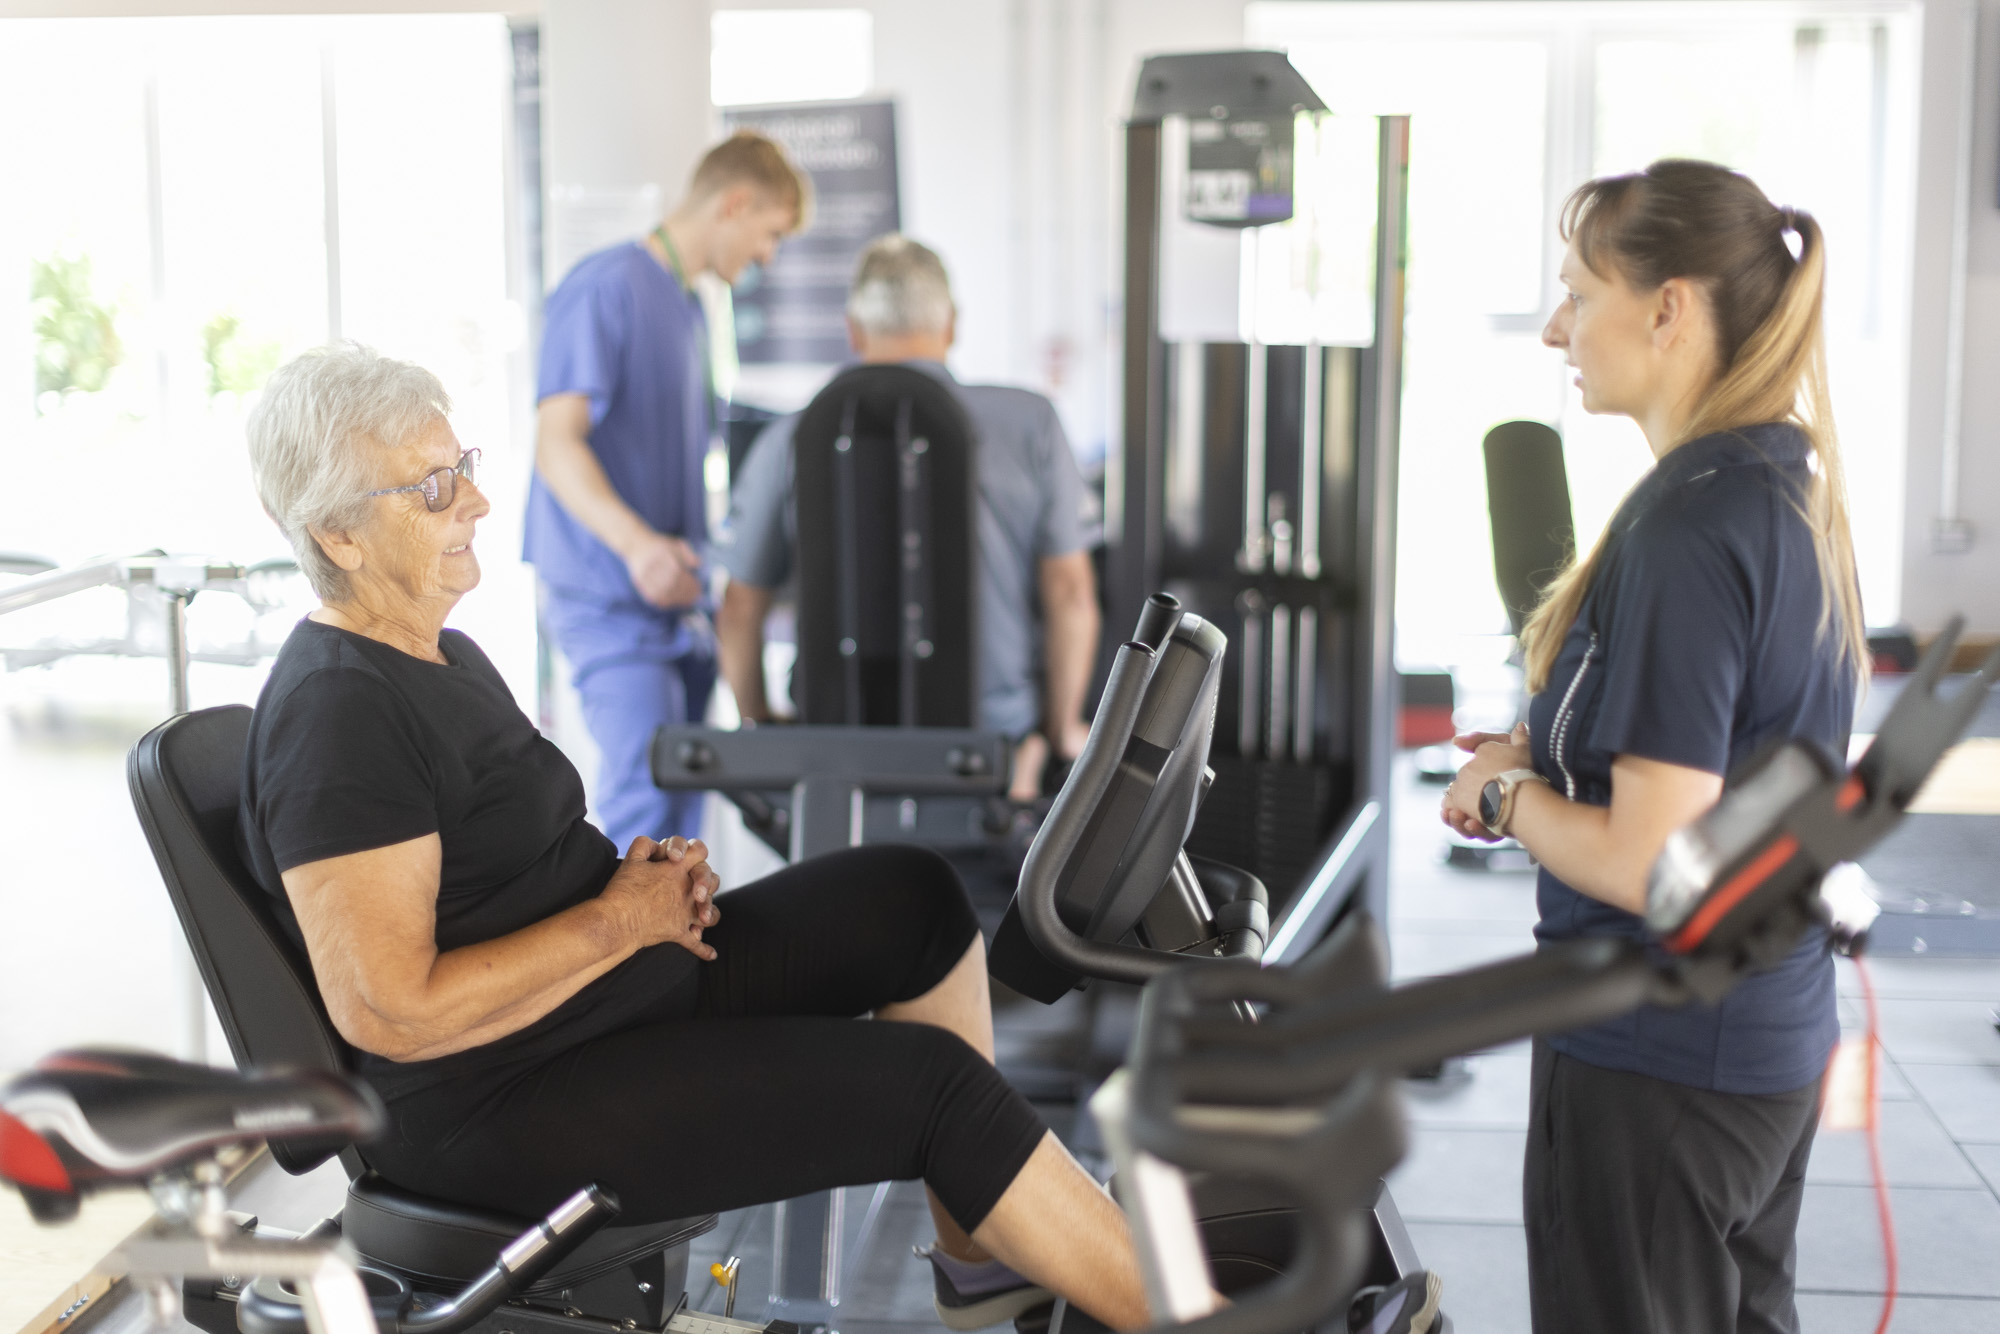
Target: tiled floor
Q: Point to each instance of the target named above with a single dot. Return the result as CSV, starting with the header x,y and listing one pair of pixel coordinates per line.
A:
x,y
1940,1132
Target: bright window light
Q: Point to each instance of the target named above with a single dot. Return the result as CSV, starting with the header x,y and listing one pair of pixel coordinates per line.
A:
x,y
1523,101
759,57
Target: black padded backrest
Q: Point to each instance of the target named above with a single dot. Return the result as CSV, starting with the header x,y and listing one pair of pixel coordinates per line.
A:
x,y
1527,496
885,480
186,777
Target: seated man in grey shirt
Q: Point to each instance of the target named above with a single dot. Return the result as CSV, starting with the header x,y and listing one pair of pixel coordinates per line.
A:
x,y
1031,558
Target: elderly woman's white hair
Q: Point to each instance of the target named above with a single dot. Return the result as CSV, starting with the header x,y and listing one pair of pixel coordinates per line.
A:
x,y
319,429
900,287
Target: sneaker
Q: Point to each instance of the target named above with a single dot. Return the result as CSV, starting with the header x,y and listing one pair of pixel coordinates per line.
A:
x,y
1407,1306
973,1296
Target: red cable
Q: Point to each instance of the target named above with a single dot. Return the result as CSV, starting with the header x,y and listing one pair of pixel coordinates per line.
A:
x,y
1875,1147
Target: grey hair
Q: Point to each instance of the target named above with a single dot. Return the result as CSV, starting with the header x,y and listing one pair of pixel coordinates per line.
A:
x,y
900,287
321,424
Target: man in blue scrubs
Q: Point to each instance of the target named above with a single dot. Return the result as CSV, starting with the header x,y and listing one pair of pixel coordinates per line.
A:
x,y
616,522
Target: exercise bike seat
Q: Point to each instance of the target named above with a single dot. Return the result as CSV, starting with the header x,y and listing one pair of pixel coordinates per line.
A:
x,y
90,1118
435,1244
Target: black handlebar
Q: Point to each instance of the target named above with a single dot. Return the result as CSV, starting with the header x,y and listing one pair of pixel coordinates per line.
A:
x,y
1069,819
534,1253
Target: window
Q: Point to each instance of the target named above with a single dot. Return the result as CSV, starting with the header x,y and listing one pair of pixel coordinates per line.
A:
x,y
1519,104
205,198
189,203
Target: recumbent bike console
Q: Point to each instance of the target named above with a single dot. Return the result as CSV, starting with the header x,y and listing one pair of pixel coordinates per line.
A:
x,y
1108,892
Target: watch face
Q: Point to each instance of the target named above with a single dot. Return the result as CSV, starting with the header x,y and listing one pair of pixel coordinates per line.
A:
x,y
1489,803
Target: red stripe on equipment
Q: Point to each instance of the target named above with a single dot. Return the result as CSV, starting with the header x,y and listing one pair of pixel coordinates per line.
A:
x,y
1851,793
1756,873
1424,725
27,1160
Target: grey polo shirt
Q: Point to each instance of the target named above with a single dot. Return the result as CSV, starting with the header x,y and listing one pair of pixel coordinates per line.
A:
x,y
1030,507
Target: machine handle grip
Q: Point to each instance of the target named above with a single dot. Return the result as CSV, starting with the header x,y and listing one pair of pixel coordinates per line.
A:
x,y
531,1255
1117,715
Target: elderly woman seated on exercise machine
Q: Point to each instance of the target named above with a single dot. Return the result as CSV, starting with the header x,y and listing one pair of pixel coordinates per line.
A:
x,y
538,1012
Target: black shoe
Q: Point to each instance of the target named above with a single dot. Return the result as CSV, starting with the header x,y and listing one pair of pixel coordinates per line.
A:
x,y
1407,1306
992,1294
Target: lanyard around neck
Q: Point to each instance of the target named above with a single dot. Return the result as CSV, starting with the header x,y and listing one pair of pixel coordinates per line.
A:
x,y
673,257
702,350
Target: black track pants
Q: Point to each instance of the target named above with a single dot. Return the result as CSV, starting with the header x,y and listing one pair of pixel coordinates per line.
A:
x,y
770,1088
1655,1208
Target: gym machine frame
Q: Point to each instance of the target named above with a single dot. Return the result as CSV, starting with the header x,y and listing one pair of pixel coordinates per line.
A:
x,y
156,585
1319,573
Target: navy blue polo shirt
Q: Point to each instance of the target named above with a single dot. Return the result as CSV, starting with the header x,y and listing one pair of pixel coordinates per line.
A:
x,y
1695,645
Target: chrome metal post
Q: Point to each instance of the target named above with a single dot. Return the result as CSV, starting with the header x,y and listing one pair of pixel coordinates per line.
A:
x,y
1306,681
1310,482
1278,731
1250,558
177,600
1250,607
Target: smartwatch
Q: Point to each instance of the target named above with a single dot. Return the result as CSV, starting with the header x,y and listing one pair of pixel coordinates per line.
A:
x,y
1496,799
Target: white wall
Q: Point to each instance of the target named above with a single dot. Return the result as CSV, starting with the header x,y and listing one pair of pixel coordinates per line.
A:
x,y
624,95
1008,115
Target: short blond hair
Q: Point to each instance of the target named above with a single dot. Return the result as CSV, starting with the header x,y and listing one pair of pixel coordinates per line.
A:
x,y
749,158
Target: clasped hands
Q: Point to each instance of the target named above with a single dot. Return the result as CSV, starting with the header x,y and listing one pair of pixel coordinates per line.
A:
x,y
665,892
1493,753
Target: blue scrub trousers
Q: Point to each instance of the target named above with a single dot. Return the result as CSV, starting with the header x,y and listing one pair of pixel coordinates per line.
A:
x,y
635,668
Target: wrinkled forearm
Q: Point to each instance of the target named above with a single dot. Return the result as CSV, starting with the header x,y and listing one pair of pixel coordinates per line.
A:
x,y
418,1009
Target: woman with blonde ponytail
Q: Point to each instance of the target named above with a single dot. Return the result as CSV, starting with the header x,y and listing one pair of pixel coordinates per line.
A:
x,y
1717,611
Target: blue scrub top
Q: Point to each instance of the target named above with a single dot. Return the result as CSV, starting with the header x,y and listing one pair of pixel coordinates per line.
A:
x,y
621,330
1695,645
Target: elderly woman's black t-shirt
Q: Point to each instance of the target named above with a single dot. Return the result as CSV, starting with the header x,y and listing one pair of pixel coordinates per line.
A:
x,y
357,745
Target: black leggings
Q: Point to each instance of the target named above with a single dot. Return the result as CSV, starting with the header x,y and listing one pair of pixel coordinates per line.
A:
x,y
770,1088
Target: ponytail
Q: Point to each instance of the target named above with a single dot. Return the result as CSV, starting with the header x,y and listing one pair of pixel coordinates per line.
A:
x,y
1704,222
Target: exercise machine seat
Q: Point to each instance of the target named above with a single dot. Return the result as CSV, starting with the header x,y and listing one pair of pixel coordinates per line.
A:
x,y
186,778
424,1239
884,483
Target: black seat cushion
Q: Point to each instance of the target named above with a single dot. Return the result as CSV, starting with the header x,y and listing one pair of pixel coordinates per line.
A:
x,y
427,1239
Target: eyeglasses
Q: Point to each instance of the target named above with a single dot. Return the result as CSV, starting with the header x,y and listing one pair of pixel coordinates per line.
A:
x,y
440,485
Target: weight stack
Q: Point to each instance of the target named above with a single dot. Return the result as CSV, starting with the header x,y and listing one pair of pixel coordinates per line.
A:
x,y
1270,817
